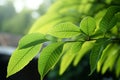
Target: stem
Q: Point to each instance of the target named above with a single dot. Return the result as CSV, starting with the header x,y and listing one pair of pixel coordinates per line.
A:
x,y
74,41
92,39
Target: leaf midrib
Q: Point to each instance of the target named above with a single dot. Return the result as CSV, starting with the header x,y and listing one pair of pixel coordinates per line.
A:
x,y
68,31
49,58
21,59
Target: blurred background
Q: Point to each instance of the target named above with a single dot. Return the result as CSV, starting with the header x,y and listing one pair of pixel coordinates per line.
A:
x,y
16,17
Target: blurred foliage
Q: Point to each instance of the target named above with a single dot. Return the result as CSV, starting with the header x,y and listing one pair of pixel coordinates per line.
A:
x,y
13,22
19,23
6,12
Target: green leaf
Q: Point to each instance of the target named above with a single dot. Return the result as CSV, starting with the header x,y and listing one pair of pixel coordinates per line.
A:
x,y
109,20
20,58
104,56
111,59
118,67
88,25
109,63
44,23
86,46
65,30
96,52
49,57
31,40
72,50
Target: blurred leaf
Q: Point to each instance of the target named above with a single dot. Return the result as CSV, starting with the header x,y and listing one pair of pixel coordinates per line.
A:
x,y
88,25
65,30
44,24
99,16
86,46
110,60
109,20
118,67
49,57
41,25
96,52
104,56
31,40
20,58
73,49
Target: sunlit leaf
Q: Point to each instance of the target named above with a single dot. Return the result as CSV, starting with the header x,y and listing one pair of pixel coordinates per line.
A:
x,y
41,25
31,40
20,58
110,60
86,46
96,52
65,30
88,25
44,24
49,57
72,50
104,55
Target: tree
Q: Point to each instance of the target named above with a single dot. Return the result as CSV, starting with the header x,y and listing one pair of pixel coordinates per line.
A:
x,y
73,29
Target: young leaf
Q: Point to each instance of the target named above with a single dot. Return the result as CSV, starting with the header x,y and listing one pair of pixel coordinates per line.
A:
x,y
65,30
86,46
49,57
88,25
96,52
31,40
109,20
20,58
73,49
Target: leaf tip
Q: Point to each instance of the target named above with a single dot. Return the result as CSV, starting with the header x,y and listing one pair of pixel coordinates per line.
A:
x,y
61,72
8,75
90,73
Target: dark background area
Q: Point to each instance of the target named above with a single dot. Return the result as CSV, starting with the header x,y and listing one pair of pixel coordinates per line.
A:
x,y
30,72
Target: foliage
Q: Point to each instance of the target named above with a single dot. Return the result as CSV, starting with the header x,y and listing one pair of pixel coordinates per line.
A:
x,y
73,29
